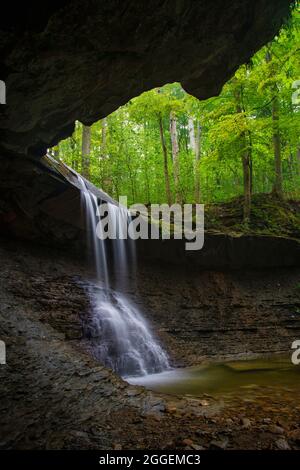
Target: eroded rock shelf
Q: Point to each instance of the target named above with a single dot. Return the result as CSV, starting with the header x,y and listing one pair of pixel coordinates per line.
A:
x,y
63,398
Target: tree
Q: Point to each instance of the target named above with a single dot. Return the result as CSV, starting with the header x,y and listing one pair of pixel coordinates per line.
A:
x,y
85,151
195,143
165,156
197,162
103,137
244,150
277,186
175,156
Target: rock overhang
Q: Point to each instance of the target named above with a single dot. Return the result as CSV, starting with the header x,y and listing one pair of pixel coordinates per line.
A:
x,y
71,60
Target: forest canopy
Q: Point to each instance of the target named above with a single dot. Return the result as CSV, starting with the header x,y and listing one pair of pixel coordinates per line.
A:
x,y
167,146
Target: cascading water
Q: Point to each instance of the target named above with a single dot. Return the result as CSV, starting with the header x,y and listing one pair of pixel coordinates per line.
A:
x,y
126,345
122,339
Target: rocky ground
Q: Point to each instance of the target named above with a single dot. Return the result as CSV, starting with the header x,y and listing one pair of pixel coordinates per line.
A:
x,y
54,395
269,216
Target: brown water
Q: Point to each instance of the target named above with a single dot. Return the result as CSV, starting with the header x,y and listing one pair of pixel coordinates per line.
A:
x,y
238,377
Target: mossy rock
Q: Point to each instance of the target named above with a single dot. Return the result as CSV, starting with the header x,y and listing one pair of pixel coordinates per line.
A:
x,y
269,216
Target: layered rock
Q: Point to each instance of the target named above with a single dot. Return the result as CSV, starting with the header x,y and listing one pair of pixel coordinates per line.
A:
x,y
213,314
54,395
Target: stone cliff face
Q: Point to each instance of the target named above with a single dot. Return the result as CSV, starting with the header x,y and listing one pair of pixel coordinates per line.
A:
x,y
41,200
213,314
225,252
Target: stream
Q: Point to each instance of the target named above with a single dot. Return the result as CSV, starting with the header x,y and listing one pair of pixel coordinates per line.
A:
x,y
225,378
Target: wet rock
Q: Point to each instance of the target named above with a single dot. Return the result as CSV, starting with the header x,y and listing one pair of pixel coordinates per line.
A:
x,y
282,444
117,446
266,420
188,442
133,392
197,447
158,407
295,436
170,408
246,423
203,402
219,444
81,434
274,429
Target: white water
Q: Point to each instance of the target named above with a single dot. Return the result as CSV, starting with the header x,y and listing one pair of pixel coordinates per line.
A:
x,y
127,344
122,339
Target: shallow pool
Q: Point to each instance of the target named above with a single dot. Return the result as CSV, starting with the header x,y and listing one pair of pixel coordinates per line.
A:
x,y
219,378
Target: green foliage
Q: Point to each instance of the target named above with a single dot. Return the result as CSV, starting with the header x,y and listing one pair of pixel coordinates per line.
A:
x,y
126,154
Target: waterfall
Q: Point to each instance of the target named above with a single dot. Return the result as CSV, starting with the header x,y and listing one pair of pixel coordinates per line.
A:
x,y
121,337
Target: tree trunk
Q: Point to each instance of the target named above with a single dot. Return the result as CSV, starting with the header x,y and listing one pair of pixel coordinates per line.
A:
x,y
195,144
175,156
165,155
73,147
247,184
250,160
246,162
277,186
192,134
86,151
197,163
103,137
